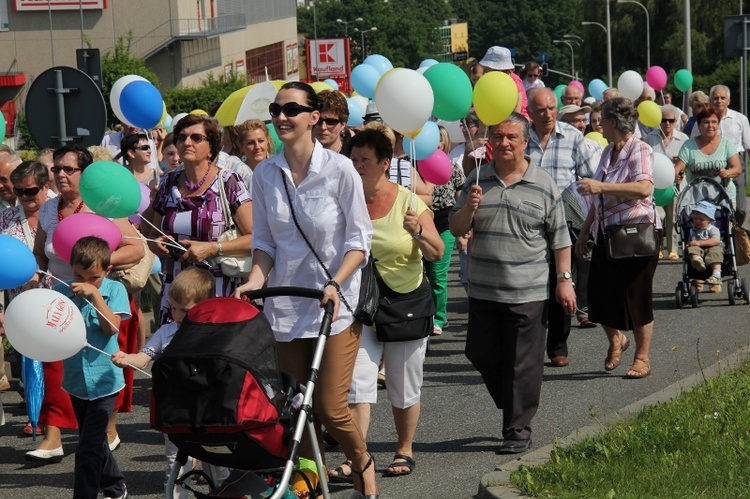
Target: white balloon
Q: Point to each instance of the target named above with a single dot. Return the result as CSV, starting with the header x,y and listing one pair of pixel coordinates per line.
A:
x,y
630,84
663,171
177,118
114,96
362,102
45,325
404,99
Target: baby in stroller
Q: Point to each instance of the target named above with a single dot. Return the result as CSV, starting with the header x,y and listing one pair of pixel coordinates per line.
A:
x,y
704,245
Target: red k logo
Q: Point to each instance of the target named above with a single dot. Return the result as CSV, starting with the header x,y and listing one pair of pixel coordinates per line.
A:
x,y
325,54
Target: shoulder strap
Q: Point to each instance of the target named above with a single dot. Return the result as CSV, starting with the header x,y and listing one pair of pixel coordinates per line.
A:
x,y
229,221
26,229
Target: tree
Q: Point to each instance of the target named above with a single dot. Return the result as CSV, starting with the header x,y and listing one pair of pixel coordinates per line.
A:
x,y
212,91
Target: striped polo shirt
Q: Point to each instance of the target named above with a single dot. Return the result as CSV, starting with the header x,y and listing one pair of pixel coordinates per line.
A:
x,y
515,228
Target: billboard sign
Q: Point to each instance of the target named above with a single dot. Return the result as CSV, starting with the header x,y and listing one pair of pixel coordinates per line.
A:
x,y
328,58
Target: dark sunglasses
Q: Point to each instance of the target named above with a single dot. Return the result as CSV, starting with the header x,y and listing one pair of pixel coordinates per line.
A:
x,y
144,147
330,122
195,138
31,191
669,121
290,109
69,170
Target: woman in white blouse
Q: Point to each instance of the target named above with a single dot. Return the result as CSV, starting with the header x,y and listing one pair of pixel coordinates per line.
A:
x,y
323,192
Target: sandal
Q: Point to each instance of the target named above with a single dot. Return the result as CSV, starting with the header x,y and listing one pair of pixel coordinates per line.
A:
x,y
27,430
639,369
341,476
401,461
361,476
614,357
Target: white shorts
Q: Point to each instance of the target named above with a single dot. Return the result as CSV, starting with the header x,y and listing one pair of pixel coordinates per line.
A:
x,y
404,365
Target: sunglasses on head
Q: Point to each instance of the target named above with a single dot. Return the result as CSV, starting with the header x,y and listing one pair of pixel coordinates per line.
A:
x,y
330,122
665,120
144,147
69,170
290,109
31,191
196,138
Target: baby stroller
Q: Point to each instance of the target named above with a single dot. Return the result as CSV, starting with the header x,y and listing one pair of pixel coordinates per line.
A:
x,y
707,189
219,395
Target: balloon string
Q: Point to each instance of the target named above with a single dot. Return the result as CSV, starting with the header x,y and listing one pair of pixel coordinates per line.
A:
x,y
154,226
87,344
412,171
174,244
477,160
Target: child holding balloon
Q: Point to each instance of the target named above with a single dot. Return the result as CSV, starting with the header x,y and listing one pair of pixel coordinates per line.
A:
x,y
88,376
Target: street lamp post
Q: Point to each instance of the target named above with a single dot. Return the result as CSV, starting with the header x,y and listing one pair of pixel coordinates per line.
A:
x,y
572,60
347,23
362,34
648,30
609,44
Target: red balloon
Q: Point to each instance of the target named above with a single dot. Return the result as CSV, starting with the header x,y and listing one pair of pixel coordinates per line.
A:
x,y
79,225
436,169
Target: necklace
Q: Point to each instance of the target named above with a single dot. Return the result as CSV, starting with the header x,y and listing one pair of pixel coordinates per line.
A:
x,y
60,208
194,187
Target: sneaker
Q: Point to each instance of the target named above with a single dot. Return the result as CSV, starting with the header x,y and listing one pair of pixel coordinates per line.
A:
x,y
714,279
4,383
698,264
123,496
673,256
437,331
514,446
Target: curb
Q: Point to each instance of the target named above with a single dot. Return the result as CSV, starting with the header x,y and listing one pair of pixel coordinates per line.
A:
x,y
496,484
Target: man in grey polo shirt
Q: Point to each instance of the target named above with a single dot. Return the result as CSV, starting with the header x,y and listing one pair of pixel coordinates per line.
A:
x,y
518,220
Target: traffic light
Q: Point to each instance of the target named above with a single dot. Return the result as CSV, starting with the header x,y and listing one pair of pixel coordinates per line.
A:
x,y
545,69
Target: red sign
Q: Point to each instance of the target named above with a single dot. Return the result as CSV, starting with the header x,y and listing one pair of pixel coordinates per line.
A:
x,y
328,58
22,5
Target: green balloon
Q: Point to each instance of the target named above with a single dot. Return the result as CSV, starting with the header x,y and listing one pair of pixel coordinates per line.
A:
x,y
683,80
558,93
279,145
662,197
2,128
452,90
110,189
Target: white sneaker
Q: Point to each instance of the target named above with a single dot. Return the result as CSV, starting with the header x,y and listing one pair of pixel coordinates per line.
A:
x,y
437,331
714,279
123,496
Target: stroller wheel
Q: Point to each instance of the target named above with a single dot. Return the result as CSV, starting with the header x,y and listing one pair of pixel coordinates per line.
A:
x,y
731,290
693,294
745,292
678,294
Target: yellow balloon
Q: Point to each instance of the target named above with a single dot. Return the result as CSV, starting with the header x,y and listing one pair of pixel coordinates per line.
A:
x,y
649,113
319,86
163,115
199,111
598,138
495,97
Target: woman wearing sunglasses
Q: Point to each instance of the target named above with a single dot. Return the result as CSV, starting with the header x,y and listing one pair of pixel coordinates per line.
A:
x,y
136,156
310,190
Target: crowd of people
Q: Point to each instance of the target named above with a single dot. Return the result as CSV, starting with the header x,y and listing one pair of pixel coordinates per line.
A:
x,y
527,208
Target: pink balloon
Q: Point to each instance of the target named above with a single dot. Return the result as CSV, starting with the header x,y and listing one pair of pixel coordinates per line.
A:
x,y
80,225
436,169
577,83
656,77
145,202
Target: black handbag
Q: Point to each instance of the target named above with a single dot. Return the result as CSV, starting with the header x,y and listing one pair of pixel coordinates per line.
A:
x,y
369,292
404,316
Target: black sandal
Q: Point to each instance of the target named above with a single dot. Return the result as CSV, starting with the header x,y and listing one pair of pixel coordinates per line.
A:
x,y
361,476
401,461
341,476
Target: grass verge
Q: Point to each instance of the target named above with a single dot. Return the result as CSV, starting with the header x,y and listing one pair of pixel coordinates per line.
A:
x,y
695,446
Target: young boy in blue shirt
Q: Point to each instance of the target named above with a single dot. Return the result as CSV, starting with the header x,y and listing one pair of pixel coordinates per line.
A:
x,y
90,378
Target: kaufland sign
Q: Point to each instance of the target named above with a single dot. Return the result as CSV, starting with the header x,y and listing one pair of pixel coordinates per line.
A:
x,y
328,58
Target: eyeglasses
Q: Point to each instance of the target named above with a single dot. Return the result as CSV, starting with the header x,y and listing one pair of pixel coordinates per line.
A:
x,y
330,122
290,109
31,191
665,120
533,75
69,170
195,138
147,147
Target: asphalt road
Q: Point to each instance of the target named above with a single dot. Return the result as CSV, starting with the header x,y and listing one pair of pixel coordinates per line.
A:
x,y
459,427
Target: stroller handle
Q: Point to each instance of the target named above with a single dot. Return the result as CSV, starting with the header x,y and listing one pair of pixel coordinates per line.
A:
x,y
315,294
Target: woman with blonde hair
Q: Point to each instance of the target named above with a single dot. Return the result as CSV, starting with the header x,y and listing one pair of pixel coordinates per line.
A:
x,y
254,142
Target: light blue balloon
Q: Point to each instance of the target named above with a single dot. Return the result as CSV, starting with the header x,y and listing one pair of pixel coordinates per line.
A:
x,y
365,79
168,123
379,62
427,63
355,114
597,88
332,83
141,104
426,141
23,264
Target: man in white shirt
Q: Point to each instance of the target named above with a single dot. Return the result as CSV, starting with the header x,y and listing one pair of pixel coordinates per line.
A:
x,y
735,127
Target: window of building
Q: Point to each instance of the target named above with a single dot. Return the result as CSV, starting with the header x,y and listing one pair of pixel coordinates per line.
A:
x,y
269,58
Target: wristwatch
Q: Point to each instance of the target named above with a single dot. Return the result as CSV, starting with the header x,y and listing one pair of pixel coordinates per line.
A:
x,y
221,250
564,276
418,234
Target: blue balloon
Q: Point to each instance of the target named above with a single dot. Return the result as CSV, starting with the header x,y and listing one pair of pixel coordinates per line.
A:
x,y
355,114
33,387
379,62
597,88
141,104
332,83
364,80
427,63
425,143
23,266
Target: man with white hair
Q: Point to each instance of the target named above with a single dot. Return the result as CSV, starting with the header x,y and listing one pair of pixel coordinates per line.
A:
x,y
8,163
736,128
572,96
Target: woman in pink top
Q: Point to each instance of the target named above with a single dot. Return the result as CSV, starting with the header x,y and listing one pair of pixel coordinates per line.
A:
x,y
620,294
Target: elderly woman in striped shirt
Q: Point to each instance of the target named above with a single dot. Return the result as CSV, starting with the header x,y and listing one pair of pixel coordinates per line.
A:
x,y
620,294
